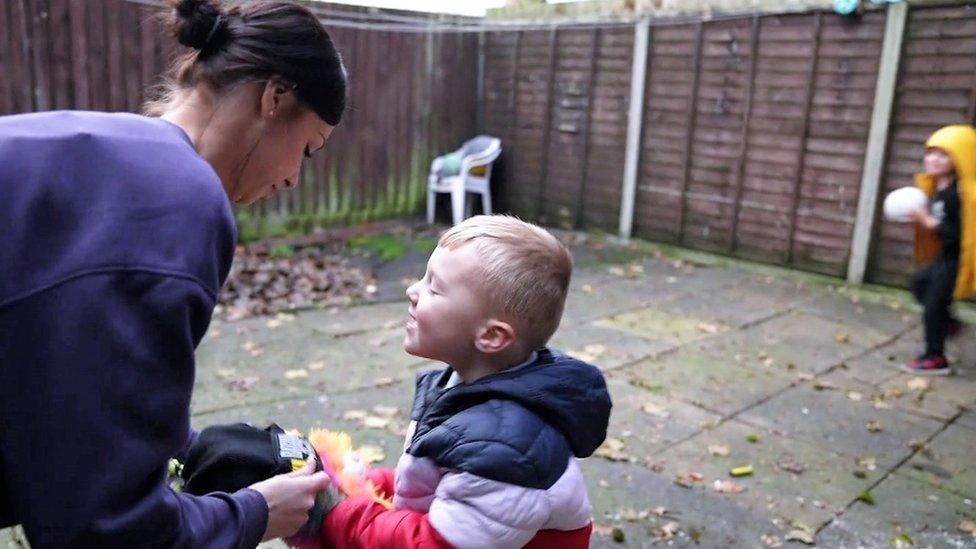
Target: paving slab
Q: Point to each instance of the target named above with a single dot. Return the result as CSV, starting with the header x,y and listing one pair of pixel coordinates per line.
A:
x,y
647,422
798,482
702,519
882,364
606,347
654,323
947,462
796,342
889,317
597,295
839,424
713,383
905,510
748,302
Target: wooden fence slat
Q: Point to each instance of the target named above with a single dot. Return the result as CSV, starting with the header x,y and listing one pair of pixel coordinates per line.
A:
x,y
808,104
547,125
690,125
744,140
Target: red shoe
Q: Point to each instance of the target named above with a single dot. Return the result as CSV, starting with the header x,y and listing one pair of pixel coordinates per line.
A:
x,y
926,365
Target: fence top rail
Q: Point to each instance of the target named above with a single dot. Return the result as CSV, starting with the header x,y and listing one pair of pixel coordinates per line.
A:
x,y
389,22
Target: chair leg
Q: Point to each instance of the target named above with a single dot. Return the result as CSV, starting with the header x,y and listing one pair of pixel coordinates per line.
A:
x,y
486,201
431,203
457,205
468,205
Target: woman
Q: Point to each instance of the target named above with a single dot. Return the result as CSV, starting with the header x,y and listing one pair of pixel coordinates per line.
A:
x,y
116,233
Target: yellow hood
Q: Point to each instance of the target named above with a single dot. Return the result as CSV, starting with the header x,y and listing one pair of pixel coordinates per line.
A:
x,y
959,141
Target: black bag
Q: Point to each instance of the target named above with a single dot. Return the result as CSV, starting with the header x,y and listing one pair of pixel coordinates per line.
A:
x,y
227,458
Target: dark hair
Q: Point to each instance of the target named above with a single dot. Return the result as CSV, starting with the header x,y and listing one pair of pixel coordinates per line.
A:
x,y
257,41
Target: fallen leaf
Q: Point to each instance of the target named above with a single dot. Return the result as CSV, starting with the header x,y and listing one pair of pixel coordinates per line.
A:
x,y
718,450
587,289
743,471
659,511
355,415
383,382
727,487
800,535
376,422
868,462
602,529
300,373
919,384
803,376
967,526
634,270
226,373
768,362
791,465
371,288
376,342
668,530
612,449
589,353
696,476
855,396
371,454
770,541
842,338
617,271
824,386
654,410
902,541
866,497
314,366
707,328
633,515
617,535
273,324
873,426
752,437
385,411
244,384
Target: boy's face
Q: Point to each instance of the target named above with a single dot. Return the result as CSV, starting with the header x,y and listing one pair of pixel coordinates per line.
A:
x,y
938,162
447,310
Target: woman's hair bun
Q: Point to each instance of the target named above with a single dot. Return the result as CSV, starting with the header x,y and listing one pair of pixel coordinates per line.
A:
x,y
199,24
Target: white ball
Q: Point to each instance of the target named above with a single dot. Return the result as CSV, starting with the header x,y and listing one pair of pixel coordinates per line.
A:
x,y
898,205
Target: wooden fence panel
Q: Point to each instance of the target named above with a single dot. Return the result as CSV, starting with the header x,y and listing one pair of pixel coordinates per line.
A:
x,y
936,87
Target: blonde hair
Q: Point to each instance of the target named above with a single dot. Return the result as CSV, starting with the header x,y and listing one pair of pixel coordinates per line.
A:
x,y
526,268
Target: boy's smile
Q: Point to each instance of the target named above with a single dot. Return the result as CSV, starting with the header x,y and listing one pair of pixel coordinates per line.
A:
x,y
446,307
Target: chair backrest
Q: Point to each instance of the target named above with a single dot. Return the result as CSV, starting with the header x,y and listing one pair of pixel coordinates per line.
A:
x,y
480,150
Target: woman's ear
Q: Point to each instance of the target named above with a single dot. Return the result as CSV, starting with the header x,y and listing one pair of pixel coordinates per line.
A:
x,y
277,97
495,337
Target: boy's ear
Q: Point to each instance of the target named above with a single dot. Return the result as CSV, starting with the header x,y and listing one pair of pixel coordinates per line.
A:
x,y
495,336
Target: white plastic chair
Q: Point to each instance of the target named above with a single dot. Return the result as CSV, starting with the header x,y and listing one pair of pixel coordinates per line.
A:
x,y
465,182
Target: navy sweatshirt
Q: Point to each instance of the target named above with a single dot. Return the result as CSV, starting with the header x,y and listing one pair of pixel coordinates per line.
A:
x,y
115,237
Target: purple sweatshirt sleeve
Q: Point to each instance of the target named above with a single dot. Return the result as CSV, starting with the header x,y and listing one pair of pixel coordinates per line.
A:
x,y
94,395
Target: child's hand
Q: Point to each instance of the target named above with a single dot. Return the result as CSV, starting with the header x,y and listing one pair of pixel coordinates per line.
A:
x,y
923,218
289,498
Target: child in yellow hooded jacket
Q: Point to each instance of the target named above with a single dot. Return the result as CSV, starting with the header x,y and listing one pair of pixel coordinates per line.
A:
x,y
945,240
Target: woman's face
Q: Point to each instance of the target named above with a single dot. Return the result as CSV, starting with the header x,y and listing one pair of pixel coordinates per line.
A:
x,y
276,159
938,162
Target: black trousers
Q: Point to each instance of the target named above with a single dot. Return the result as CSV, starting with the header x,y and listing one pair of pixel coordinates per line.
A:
x,y
933,287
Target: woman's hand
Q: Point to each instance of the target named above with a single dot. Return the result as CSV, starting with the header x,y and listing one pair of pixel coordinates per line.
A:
x,y
290,497
924,218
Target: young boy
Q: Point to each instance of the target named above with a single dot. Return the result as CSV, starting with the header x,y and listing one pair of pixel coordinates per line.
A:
x,y
945,240
490,455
